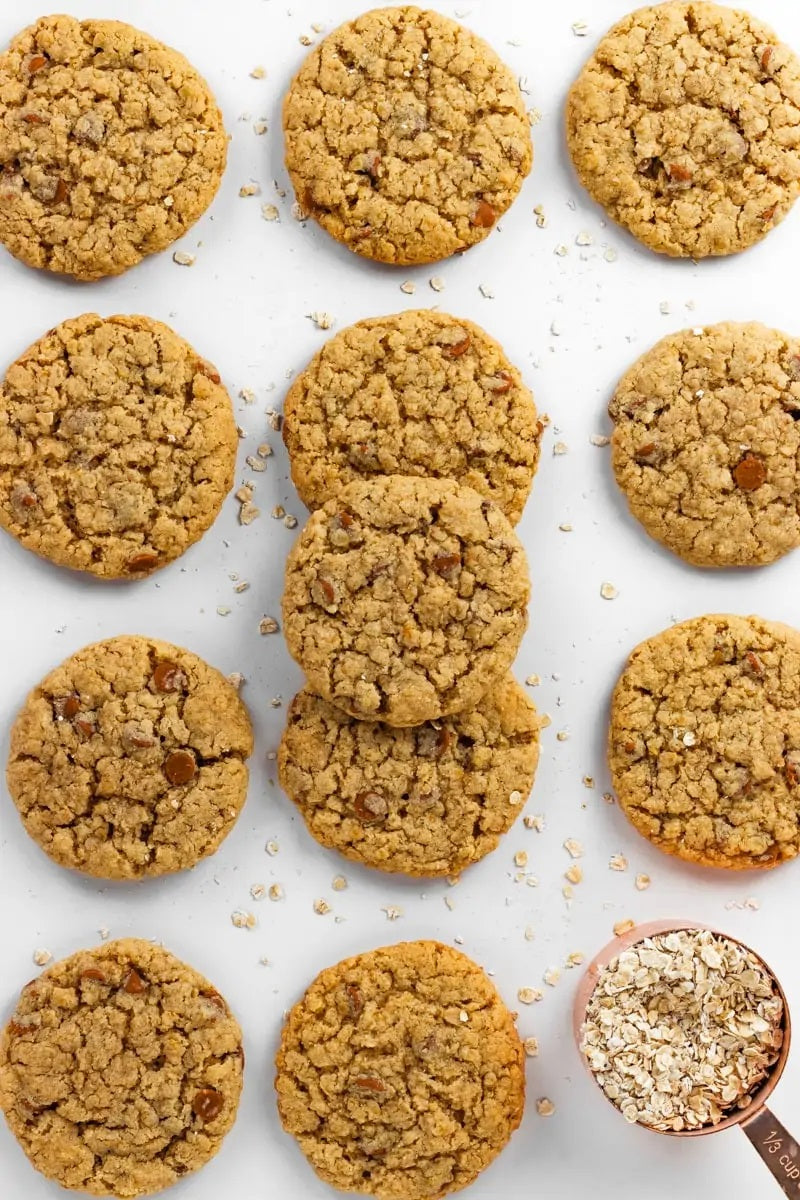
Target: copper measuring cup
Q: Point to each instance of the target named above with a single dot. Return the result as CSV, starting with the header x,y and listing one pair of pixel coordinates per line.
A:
x,y
775,1145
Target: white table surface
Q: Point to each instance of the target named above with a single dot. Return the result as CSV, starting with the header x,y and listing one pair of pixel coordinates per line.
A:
x,y
244,305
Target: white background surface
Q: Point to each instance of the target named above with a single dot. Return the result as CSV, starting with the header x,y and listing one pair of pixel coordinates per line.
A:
x,y
244,305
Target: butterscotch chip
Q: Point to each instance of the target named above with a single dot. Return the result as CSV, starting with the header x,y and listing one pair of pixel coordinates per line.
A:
x,y
377,629
117,446
706,443
406,136
702,747
418,1083
416,393
119,1091
112,146
423,801
125,779
685,126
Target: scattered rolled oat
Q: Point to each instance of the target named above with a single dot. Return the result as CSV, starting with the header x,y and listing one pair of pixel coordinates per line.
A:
x,y
561,250
642,883
531,1045
534,821
272,848
270,212
608,591
515,798
552,976
249,189
545,1107
248,395
276,891
393,913
529,995
573,848
486,291
290,521
623,927
298,212
242,919
321,907
409,287
533,681
258,73
255,464
618,862
610,254
258,891
565,527
183,259
574,874
322,320
584,239
562,735
664,308
260,128
682,1028
588,781
236,678
567,892
600,439
339,883
541,219
223,610
560,448
437,283
42,957
575,959
268,625
580,28
278,512
521,858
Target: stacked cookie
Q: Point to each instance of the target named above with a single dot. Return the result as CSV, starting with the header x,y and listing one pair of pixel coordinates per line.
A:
x,y
411,749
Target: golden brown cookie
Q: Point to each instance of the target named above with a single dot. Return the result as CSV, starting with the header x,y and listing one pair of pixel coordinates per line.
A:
x,y
706,444
128,760
425,801
685,126
120,1070
414,393
405,599
704,747
117,446
111,146
400,1073
406,136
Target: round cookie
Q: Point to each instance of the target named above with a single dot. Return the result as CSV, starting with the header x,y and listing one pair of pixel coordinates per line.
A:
x,y
405,599
704,747
423,801
111,146
685,126
415,393
120,1070
406,136
400,1073
706,445
117,446
128,760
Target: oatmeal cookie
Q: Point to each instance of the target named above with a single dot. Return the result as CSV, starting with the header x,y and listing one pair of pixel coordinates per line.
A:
x,y
400,1073
704,747
415,393
706,444
117,446
406,136
120,1070
111,146
405,599
685,126
423,801
128,760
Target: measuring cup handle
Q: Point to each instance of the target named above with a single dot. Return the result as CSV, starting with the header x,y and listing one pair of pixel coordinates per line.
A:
x,y
778,1149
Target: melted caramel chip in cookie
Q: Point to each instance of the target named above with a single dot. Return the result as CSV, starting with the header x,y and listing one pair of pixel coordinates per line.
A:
x,y
406,136
705,741
416,1087
101,1081
124,780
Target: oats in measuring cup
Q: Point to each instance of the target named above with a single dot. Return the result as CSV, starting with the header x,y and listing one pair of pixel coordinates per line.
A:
x,y
682,1028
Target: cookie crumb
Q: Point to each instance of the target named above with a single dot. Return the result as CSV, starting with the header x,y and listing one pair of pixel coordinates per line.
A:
x,y
268,625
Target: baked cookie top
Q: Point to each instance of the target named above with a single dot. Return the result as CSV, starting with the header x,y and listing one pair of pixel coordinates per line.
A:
x,y
405,599
706,445
117,446
406,136
414,393
704,746
111,146
685,126
128,760
400,1073
423,801
120,1070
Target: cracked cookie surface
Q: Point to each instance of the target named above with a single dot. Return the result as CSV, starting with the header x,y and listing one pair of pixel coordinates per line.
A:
x,y
406,136
128,760
423,801
415,393
685,126
117,446
405,599
111,146
704,747
120,1070
400,1073
706,445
